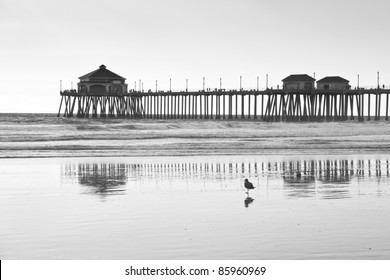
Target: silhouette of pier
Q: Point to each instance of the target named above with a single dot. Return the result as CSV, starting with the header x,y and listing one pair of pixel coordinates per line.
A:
x,y
102,93
268,105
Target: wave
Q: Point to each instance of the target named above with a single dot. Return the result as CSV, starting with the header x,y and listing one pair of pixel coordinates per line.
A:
x,y
25,135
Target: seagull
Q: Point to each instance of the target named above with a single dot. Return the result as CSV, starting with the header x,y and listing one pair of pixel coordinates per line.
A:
x,y
248,185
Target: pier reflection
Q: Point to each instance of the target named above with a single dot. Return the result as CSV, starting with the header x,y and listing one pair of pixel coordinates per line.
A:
x,y
101,179
323,179
299,186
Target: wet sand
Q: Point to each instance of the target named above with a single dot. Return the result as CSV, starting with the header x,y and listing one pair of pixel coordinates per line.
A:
x,y
169,189
195,208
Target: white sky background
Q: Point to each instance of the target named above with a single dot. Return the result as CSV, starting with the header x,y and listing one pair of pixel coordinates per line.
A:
x,y
44,41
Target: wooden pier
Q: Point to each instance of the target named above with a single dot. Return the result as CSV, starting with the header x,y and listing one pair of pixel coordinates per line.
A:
x,y
268,105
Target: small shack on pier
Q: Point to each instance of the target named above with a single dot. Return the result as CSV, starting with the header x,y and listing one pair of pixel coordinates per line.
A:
x,y
333,83
102,82
298,82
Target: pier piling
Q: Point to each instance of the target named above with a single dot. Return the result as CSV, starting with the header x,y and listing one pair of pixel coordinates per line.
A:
x,y
268,105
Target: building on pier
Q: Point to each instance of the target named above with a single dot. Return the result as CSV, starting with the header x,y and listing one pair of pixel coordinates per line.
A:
x,y
102,82
103,93
333,83
298,82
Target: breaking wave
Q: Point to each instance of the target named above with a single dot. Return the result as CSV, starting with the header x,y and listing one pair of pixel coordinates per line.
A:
x,y
46,135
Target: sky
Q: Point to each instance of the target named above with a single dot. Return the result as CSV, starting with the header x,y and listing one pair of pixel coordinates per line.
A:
x,y
45,41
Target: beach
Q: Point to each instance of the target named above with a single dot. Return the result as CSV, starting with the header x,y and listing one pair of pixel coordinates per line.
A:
x,y
195,208
173,189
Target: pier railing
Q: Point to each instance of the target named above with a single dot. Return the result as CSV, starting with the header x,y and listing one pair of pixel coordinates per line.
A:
x,y
268,105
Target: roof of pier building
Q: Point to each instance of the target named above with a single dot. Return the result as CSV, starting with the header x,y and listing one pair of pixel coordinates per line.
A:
x,y
299,78
101,74
333,79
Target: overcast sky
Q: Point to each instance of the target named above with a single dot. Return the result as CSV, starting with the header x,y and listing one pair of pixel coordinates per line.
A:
x,y
45,41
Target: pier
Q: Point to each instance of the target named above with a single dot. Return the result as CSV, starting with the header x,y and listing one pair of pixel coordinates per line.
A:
x,y
102,93
267,105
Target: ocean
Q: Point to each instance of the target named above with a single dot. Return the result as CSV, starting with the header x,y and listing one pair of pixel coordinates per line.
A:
x,y
174,189
46,135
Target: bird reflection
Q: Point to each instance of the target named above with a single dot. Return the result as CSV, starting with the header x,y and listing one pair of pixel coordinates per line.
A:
x,y
248,200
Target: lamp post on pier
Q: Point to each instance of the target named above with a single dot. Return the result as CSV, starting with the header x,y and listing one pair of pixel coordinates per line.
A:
x,y
378,80
358,86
